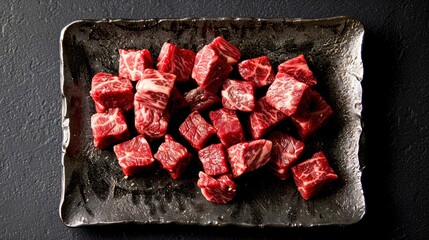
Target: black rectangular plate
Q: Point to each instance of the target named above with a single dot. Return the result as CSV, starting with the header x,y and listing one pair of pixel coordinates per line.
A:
x,y
94,190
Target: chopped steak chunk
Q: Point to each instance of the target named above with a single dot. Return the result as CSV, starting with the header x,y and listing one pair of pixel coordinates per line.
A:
x,y
214,159
312,113
263,118
150,122
200,99
257,70
238,95
313,175
196,130
218,190
175,60
109,128
285,93
248,156
109,91
228,127
285,152
132,63
297,67
210,68
133,155
154,89
173,157
226,49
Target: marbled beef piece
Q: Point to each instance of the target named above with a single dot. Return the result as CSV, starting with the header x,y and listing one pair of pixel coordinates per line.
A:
x,y
150,122
218,190
230,52
133,62
263,118
134,155
196,130
199,99
214,159
238,95
312,175
210,68
109,128
285,153
257,70
154,89
312,113
228,127
248,156
297,67
173,157
110,91
176,60
285,93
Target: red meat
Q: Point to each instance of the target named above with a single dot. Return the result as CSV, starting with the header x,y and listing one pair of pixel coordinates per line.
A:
x,y
133,155
154,89
238,95
151,122
200,99
312,113
218,190
313,175
257,70
297,67
109,128
173,157
132,63
175,60
214,159
248,156
109,91
196,130
285,93
228,127
226,49
263,118
285,152
210,68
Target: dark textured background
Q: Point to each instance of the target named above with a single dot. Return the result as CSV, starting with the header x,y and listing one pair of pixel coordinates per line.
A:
x,y
395,111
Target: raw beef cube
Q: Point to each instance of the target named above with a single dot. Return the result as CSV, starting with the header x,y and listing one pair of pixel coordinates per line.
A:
x,y
285,152
313,175
218,190
228,127
210,68
150,122
132,63
175,60
248,156
238,95
200,99
226,49
196,130
173,157
285,93
109,91
263,118
311,115
178,102
154,89
133,155
257,70
297,67
214,159
109,128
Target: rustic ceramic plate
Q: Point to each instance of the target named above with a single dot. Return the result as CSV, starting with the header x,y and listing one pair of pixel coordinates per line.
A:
x,y
94,190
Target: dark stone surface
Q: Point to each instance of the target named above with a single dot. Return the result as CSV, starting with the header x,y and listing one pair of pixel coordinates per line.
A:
x,y
395,112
